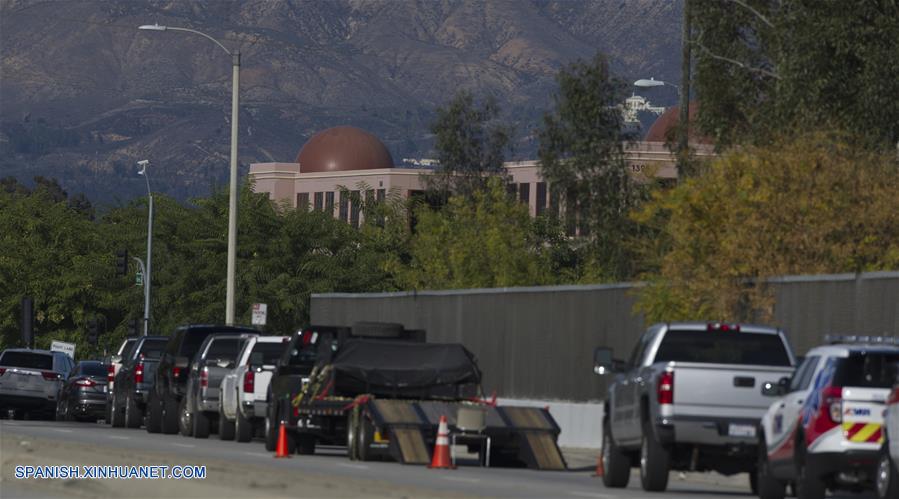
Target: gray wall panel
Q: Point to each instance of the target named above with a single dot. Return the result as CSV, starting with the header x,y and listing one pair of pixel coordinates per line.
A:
x,y
537,343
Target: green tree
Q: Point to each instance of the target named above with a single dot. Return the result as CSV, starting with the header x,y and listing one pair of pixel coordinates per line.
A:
x,y
765,68
582,159
814,205
482,241
470,146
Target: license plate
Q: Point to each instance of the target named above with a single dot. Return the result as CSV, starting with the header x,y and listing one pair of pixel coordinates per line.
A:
x,y
741,430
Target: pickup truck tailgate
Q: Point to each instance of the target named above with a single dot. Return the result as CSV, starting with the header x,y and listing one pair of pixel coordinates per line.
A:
x,y
723,390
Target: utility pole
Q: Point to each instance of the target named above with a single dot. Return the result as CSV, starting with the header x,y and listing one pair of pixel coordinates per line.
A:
x,y
683,147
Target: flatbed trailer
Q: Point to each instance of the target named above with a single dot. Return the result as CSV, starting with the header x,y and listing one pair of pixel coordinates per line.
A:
x,y
404,428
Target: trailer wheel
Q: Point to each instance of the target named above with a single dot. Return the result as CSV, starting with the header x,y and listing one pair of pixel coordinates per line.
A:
x,y
351,434
366,436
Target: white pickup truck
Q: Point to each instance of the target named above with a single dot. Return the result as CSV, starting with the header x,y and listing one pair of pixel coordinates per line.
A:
x,y
243,390
690,399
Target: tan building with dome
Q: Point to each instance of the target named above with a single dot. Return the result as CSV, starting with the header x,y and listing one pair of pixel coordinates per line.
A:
x,y
350,158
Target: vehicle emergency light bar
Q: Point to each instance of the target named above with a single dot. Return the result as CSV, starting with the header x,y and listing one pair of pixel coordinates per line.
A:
x,y
832,339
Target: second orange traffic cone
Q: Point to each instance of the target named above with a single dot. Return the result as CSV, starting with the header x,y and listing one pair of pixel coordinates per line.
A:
x,y
441,458
282,450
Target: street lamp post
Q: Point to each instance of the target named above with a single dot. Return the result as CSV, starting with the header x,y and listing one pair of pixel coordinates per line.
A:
x,y
143,164
232,199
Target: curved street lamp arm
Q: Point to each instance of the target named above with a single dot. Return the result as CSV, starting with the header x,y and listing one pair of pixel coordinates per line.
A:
x,y
203,35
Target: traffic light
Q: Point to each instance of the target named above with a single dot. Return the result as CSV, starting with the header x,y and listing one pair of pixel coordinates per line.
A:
x,y
132,327
121,263
93,331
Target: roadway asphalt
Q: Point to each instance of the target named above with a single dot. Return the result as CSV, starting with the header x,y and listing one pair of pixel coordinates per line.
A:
x,y
247,470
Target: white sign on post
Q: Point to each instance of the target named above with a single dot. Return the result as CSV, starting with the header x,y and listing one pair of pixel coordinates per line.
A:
x,y
259,310
61,346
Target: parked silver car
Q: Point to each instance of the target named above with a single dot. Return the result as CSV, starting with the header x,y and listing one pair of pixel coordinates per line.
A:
x,y
30,381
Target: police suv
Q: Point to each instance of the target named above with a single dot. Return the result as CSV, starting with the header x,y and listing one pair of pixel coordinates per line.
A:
x,y
826,431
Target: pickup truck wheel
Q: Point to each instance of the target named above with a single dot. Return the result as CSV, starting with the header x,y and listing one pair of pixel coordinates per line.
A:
x,y
118,419
887,478
271,432
653,462
808,484
768,486
616,465
305,444
154,415
201,424
134,417
185,424
169,417
226,427
244,428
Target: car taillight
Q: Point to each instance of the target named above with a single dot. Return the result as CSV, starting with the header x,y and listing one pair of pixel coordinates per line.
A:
x,y
50,375
139,372
249,381
296,412
2,370
85,382
204,378
110,373
665,390
833,403
176,371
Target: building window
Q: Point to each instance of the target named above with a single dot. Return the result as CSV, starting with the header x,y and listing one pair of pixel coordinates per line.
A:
x,y
344,205
329,203
524,193
554,205
512,189
303,201
369,197
571,210
541,198
382,194
354,209
318,201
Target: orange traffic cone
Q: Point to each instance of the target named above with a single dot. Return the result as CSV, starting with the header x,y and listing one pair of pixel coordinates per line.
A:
x,y
600,470
281,449
441,459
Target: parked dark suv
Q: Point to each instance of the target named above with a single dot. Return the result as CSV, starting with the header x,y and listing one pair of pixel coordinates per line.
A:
x,y
170,383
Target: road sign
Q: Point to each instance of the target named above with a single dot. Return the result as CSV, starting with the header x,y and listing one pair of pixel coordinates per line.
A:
x,y
61,346
259,311
139,279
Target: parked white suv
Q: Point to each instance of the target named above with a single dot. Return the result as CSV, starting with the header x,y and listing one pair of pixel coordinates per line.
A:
x,y
30,380
826,432
243,390
888,467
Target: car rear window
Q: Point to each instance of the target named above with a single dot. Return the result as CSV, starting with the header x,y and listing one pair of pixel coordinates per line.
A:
x,y
93,369
225,348
268,352
723,348
152,349
867,370
127,347
192,341
27,360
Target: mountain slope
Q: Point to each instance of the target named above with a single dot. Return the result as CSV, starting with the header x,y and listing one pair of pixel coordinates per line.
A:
x,y
84,94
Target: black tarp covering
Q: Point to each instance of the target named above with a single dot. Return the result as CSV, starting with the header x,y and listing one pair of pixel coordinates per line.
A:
x,y
404,369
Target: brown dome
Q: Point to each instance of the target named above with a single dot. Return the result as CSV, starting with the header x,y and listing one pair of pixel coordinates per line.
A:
x,y
665,126
343,148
